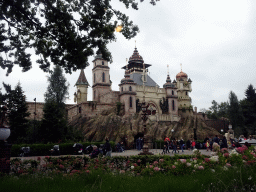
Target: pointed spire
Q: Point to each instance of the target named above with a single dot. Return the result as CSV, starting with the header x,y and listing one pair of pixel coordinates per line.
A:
x,y
181,67
82,79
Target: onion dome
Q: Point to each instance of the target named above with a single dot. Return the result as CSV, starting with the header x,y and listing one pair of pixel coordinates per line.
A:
x,y
169,83
82,79
181,74
126,78
136,57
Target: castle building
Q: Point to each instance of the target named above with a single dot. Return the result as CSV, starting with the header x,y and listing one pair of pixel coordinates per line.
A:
x,y
168,103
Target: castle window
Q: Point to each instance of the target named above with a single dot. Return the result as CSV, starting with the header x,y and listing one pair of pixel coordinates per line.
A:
x,y
173,105
130,102
94,78
80,109
102,62
186,93
130,88
103,77
94,94
122,89
172,92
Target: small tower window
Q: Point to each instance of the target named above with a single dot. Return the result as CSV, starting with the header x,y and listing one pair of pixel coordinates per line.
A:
x,y
102,62
103,77
130,102
130,88
172,92
186,93
173,105
80,109
122,89
94,94
94,78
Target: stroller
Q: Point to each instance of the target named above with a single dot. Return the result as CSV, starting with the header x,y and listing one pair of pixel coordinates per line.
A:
x,y
89,149
78,149
24,151
55,151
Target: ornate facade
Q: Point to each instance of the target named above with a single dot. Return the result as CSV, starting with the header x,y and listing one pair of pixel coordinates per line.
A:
x,y
168,103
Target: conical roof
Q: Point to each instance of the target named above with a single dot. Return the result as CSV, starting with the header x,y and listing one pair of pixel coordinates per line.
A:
x,y
136,57
82,79
169,83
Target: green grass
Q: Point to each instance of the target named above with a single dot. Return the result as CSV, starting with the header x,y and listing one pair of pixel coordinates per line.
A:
x,y
231,180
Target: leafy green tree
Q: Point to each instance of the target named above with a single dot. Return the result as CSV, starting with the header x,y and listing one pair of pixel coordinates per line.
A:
x,y
15,101
64,32
54,123
223,109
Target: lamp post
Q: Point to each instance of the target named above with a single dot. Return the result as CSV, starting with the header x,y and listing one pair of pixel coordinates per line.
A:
x,y
34,121
172,133
144,117
5,148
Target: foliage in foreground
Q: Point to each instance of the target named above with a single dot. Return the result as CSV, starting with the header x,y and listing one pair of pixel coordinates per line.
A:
x,y
224,171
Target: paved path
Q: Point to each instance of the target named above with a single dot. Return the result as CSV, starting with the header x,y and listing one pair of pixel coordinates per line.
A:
x,y
131,152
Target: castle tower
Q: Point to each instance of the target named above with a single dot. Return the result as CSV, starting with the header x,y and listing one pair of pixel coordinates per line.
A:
x,y
100,77
81,85
184,88
128,93
171,95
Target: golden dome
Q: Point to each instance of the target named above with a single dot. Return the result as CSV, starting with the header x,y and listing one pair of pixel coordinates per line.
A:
x,y
181,74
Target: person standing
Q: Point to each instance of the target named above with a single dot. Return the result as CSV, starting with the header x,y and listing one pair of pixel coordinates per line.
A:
x,y
182,145
193,144
188,143
107,147
174,145
224,142
207,144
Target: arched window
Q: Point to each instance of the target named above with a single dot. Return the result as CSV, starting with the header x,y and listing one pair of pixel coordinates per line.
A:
x,y
122,89
130,102
172,92
130,88
102,62
173,105
94,78
103,77
80,109
186,93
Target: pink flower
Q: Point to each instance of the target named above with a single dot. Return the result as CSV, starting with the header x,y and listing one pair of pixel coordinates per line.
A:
x,y
138,161
228,165
87,171
203,162
135,165
207,160
201,167
224,150
245,157
183,160
194,158
156,169
155,163
161,160
61,166
150,166
122,171
226,155
173,166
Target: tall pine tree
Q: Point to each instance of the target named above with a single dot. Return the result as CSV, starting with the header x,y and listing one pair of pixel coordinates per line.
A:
x,y
235,115
54,124
15,101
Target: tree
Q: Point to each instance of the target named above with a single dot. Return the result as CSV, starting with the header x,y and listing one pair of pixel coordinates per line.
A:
x,y
62,32
249,109
235,115
54,124
15,101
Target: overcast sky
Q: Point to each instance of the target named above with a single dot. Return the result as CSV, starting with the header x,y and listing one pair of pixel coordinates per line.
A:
x,y
215,40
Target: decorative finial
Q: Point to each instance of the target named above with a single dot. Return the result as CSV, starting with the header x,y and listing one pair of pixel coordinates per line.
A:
x,y
168,70
181,67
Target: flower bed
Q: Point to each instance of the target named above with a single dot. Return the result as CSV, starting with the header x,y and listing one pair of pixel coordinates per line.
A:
x,y
137,165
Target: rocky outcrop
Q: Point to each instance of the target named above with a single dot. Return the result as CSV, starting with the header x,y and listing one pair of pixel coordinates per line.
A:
x,y
126,128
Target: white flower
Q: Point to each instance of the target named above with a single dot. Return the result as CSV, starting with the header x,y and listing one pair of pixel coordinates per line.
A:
x,y
196,166
176,163
214,158
225,168
250,178
132,167
213,170
195,161
188,164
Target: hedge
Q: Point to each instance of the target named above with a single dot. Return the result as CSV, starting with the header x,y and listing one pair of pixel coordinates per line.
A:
x,y
44,149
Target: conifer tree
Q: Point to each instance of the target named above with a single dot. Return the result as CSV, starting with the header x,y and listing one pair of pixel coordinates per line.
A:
x,y
54,124
15,101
